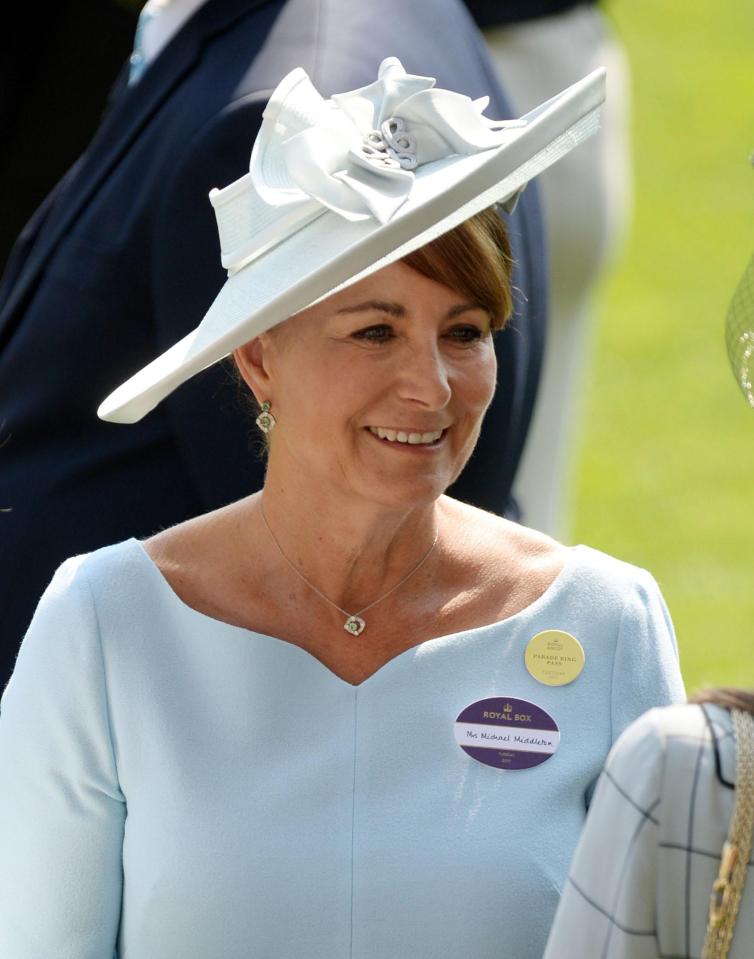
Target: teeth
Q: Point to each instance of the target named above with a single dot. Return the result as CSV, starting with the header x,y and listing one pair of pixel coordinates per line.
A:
x,y
397,436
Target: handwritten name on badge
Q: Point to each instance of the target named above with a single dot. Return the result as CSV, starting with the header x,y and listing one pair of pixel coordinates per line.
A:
x,y
507,733
554,657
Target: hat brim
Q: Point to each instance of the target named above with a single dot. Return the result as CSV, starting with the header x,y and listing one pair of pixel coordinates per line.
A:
x,y
331,253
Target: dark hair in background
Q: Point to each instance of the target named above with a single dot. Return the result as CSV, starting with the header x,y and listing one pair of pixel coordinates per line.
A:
x,y
59,62
727,696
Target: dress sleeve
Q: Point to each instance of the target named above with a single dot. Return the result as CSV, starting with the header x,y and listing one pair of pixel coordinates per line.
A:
x,y
646,671
608,906
61,809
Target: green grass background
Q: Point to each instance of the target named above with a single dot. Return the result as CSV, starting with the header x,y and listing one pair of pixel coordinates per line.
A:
x,y
665,475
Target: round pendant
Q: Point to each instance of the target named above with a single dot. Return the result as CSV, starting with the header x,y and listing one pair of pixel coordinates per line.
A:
x,y
354,625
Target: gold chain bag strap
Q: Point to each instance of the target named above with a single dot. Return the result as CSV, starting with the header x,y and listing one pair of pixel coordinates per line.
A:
x,y
727,888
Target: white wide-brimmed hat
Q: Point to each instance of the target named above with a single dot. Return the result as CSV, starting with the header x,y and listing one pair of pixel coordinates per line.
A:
x,y
340,188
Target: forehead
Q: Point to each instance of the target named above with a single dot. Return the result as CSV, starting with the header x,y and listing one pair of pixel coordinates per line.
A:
x,y
397,284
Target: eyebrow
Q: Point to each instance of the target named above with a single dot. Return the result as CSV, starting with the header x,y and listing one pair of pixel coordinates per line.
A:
x,y
395,309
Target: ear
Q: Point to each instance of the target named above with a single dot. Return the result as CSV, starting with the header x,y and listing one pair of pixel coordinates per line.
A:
x,y
252,360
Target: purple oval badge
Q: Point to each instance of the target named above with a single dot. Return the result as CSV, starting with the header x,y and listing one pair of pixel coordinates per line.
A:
x,y
507,733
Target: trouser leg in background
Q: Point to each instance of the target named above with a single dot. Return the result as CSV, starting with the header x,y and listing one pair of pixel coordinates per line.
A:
x,y
586,198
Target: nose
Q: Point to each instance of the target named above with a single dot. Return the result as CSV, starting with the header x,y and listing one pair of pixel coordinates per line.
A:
x,y
423,377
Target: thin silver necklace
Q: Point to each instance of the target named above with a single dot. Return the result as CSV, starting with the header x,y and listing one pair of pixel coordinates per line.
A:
x,y
354,624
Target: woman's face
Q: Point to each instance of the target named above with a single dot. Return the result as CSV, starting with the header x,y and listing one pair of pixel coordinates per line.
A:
x,y
379,390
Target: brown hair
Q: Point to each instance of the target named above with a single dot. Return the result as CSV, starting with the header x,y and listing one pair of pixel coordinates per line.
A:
x,y
475,260
727,696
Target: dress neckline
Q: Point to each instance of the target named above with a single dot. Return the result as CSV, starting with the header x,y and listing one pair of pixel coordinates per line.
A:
x,y
558,584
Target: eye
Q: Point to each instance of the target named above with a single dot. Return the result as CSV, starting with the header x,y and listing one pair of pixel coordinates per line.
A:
x,y
468,333
379,333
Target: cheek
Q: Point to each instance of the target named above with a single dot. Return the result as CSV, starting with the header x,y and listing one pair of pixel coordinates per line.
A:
x,y
478,380
324,393
489,379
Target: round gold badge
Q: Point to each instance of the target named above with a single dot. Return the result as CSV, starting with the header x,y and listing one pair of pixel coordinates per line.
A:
x,y
554,657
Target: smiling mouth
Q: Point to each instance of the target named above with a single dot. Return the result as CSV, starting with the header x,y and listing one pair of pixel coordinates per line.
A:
x,y
411,439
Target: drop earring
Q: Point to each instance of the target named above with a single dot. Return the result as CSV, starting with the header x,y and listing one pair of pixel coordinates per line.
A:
x,y
266,421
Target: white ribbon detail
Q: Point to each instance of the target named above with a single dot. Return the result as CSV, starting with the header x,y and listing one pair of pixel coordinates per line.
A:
x,y
355,154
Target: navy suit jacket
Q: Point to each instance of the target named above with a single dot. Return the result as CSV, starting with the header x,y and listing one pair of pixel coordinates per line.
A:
x,y
122,259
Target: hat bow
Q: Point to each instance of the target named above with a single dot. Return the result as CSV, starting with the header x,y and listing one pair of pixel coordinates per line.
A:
x,y
355,154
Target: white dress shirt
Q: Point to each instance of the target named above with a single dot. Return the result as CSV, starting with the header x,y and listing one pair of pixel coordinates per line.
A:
x,y
159,21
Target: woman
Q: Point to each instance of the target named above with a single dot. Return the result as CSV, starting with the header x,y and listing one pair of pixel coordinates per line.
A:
x,y
347,716
662,811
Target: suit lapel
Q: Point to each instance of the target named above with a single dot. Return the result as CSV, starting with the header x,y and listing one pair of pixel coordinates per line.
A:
x,y
28,235
130,112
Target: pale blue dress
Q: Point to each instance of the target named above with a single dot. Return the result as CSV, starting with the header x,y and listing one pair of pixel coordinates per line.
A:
x,y
172,787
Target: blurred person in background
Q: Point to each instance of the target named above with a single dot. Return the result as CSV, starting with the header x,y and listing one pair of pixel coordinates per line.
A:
x,y
122,252
658,838
663,866
538,47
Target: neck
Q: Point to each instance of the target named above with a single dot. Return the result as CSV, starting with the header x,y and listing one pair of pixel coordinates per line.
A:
x,y
352,551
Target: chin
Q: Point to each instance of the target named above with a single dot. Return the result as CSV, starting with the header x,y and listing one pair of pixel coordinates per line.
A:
x,y
406,495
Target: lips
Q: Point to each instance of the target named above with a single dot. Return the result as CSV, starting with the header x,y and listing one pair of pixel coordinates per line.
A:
x,y
412,438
